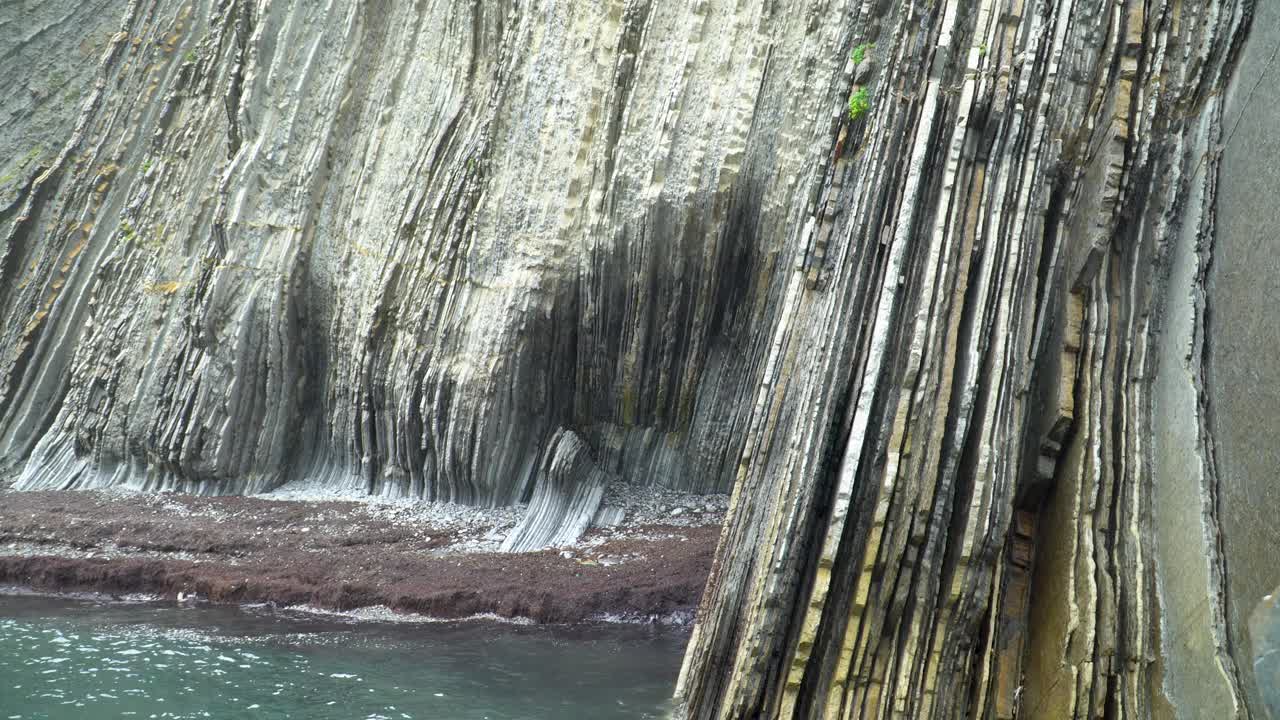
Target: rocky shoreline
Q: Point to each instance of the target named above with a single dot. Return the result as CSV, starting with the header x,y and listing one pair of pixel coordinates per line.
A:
x,y
425,559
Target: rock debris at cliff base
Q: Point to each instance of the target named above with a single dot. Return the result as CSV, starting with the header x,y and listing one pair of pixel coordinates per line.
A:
x,y
346,555
943,316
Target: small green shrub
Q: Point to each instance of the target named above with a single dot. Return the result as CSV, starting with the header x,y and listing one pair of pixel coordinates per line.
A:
x,y
859,103
860,52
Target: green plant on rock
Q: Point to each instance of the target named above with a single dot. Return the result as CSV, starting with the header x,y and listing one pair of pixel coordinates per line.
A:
x,y
860,52
859,103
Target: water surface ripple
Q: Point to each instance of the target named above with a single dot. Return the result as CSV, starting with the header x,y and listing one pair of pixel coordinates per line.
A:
x,y
64,659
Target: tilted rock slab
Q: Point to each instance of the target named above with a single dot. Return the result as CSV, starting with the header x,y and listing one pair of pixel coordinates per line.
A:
x,y
948,353
566,499
944,507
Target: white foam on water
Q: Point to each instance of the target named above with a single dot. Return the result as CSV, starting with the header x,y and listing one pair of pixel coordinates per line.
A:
x,y
382,613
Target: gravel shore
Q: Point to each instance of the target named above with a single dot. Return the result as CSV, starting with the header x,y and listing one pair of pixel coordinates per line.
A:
x,y
300,547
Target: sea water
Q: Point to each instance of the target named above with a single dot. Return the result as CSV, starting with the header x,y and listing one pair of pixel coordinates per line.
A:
x,y
71,659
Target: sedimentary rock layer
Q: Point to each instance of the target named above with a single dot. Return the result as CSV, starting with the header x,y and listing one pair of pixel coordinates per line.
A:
x,y
566,499
990,375
400,243
926,282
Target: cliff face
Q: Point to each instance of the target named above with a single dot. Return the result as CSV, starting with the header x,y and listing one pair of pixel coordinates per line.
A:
x,y
952,354
996,490
401,244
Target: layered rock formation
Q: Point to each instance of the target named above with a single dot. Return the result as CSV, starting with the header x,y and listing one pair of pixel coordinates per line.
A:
x,y
952,353
398,245
994,492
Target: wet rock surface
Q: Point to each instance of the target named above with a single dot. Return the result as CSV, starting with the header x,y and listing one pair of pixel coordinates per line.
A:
x,y
1264,630
345,555
1242,346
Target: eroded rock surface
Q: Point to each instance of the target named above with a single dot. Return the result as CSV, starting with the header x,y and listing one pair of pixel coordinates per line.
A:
x,y
940,316
407,243
981,478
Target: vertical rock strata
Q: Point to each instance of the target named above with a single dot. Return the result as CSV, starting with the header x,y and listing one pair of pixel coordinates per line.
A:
x,y
950,353
404,246
979,479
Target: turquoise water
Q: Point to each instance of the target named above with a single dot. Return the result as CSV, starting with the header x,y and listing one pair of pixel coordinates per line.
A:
x,y
72,659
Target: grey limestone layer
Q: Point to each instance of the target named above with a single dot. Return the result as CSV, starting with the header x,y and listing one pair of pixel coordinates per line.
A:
x,y
407,243
989,367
